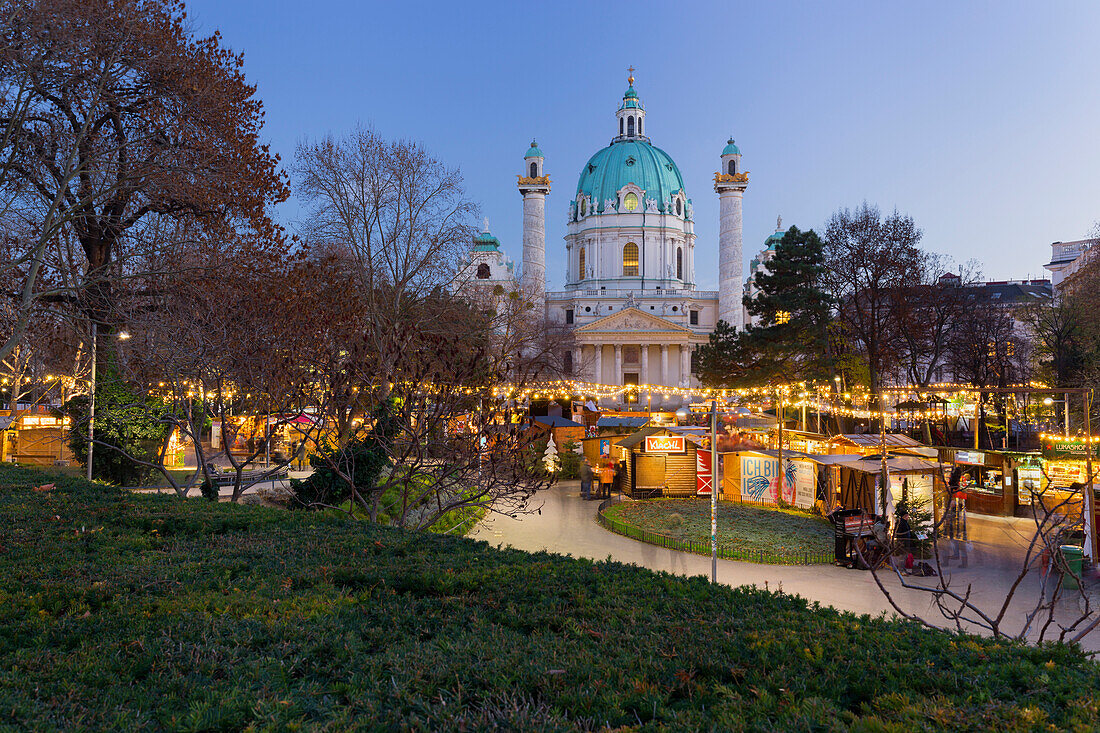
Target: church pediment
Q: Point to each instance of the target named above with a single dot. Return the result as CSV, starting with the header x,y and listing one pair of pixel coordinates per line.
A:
x,y
633,320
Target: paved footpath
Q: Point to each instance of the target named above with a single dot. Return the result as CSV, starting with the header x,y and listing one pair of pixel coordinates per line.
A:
x,y
566,524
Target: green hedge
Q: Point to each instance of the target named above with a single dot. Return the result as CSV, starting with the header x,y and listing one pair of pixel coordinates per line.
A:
x,y
120,611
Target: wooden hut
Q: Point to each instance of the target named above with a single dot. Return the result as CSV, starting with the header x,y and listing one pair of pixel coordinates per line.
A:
x,y
661,461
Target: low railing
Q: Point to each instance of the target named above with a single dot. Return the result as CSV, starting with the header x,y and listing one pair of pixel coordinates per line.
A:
x,y
763,557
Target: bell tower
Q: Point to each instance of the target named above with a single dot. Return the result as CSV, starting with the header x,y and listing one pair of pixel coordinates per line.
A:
x,y
534,186
730,184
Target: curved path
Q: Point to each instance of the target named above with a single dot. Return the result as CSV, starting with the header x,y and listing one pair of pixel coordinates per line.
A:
x,y
564,523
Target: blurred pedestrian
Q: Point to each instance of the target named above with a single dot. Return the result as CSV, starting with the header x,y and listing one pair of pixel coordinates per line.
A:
x,y
587,474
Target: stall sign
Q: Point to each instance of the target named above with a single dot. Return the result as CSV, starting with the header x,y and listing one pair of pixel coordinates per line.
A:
x,y
605,446
41,422
970,458
1064,474
664,444
1068,449
760,480
805,475
704,477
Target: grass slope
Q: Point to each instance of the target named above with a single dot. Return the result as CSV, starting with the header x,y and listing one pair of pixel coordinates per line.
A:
x,y
120,611
742,528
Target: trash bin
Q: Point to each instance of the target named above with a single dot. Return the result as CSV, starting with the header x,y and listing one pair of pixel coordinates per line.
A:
x,y
1072,556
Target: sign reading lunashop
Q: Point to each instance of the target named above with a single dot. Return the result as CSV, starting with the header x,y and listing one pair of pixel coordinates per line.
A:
x,y
1068,449
664,444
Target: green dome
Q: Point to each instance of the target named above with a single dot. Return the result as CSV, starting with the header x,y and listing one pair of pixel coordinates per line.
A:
x,y
630,161
773,240
486,242
731,149
533,151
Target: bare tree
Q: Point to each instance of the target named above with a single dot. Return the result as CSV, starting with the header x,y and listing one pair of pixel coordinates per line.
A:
x,y
412,358
868,258
1036,606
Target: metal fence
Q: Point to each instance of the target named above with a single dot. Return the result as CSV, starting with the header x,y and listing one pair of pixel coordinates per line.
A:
x,y
703,548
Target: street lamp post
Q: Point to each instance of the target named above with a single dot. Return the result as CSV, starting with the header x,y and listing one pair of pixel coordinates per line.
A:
x,y
1048,401
91,401
714,491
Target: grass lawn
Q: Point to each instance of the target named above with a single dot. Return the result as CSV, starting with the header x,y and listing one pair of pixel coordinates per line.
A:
x,y
743,530
122,611
78,471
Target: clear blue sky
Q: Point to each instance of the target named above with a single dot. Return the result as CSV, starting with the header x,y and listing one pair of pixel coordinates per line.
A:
x,y
979,119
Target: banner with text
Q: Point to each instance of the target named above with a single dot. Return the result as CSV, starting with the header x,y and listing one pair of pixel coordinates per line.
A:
x,y
760,480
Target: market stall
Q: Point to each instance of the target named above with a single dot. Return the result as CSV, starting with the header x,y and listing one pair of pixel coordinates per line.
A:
x,y
38,439
753,477
662,461
911,478
800,440
1064,472
986,477
603,447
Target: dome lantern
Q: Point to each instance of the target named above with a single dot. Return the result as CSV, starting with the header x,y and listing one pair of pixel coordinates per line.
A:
x,y
631,114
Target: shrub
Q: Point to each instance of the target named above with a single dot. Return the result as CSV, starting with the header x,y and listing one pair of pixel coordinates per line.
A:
x,y
124,418
125,611
363,459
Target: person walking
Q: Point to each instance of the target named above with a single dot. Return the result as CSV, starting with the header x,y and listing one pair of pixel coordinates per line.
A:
x,y
955,516
587,474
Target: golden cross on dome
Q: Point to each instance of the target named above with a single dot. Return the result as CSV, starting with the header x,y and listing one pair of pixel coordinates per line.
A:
x,y
630,79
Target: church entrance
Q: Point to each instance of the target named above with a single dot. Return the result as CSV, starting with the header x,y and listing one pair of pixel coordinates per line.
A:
x,y
631,396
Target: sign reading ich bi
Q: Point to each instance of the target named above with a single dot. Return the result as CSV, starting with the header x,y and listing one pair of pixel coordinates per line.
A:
x,y
664,444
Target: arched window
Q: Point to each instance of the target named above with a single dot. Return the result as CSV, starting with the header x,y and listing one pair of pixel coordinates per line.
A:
x,y
679,263
640,125
630,201
534,169
678,209
567,362
580,265
630,126
630,259
620,125
483,271
584,207
733,167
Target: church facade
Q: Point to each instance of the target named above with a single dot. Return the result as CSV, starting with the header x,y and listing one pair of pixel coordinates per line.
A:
x,y
629,298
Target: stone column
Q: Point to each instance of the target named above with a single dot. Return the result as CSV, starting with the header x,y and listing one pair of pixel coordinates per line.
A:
x,y
645,363
664,365
685,365
730,190
617,377
534,243
598,365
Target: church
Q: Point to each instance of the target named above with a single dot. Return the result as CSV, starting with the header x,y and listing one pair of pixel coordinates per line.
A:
x,y
629,300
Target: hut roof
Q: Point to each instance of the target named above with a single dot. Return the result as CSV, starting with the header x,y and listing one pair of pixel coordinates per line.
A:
x,y
557,421
873,440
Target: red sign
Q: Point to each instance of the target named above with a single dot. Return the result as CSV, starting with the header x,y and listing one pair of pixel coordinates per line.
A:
x,y
704,478
664,444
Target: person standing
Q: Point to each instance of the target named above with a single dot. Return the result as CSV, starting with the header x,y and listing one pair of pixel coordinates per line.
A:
x,y
607,477
903,535
587,474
